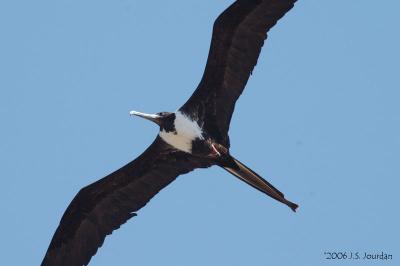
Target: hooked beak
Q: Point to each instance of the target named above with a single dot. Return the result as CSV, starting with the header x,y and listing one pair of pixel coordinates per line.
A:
x,y
152,117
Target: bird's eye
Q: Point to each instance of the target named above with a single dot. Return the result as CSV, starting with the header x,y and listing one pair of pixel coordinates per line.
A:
x,y
162,113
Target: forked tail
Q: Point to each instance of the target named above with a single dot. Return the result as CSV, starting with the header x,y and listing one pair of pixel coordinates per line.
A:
x,y
253,179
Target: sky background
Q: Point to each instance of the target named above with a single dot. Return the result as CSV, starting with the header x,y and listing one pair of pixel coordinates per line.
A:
x,y
320,119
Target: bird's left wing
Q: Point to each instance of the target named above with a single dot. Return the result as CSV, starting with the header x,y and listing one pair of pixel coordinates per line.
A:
x,y
238,35
105,205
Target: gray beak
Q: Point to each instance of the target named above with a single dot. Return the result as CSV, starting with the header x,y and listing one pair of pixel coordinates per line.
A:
x,y
152,117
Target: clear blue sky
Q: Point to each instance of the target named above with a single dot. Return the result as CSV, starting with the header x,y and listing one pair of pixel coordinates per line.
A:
x,y
320,119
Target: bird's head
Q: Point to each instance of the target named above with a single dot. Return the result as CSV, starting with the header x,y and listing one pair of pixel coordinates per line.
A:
x,y
159,118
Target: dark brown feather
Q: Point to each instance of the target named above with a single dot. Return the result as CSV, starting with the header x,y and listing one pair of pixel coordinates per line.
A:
x,y
105,205
238,35
98,209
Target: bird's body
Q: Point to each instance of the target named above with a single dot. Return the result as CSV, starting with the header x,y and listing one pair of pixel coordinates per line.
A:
x,y
195,136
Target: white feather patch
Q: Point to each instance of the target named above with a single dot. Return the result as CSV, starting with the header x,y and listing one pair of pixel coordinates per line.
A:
x,y
187,130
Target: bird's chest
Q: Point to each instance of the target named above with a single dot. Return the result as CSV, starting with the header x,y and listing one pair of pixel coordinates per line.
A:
x,y
182,133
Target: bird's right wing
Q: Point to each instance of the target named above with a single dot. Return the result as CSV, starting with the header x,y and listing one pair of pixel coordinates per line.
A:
x,y
238,35
105,205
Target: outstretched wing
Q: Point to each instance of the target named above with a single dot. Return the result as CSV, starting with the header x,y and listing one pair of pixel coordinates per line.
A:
x,y
238,35
105,205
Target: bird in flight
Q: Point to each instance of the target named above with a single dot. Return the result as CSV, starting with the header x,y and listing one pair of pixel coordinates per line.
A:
x,y
194,136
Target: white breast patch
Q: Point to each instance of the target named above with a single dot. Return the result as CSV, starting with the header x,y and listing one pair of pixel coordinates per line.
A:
x,y
187,130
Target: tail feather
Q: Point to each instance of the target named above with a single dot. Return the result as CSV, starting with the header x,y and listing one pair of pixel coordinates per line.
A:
x,y
250,177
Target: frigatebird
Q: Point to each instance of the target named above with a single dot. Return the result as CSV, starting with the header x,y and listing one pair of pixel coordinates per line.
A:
x,y
194,136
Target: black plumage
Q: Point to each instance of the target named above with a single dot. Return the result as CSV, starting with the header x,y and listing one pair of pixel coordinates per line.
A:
x,y
238,35
105,205
98,209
